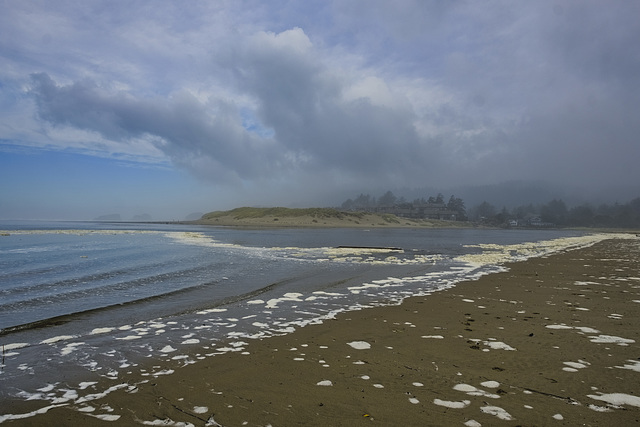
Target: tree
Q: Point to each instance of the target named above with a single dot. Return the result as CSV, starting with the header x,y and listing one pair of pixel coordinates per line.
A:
x,y
484,210
457,204
387,199
362,201
581,216
554,212
524,211
347,205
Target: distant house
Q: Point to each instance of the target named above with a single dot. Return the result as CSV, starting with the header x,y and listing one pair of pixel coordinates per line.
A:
x,y
419,211
536,221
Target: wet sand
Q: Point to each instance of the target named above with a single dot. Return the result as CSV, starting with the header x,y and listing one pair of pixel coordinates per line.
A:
x,y
552,341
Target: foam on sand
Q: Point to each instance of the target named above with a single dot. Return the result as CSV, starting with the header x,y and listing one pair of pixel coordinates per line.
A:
x,y
497,411
453,405
617,399
359,345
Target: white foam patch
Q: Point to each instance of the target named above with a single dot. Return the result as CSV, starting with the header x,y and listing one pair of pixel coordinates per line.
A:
x,y
58,338
212,310
15,345
180,357
378,386
561,326
474,391
414,400
167,349
7,417
617,399
490,384
70,348
610,339
166,422
599,408
359,345
255,302
163,372
190,341
574,366
495,345
453,405
86,384
94,396
633,365
325,383
497,411
472,423
106,417
587,330
437,337
417,384
97,331
291,296
129,338
558,417
200,409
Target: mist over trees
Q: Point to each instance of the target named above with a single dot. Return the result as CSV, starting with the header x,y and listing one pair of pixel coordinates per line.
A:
x,y
433,207
557,214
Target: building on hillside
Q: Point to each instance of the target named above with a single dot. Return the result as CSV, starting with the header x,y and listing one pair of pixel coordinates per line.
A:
x,y
438,211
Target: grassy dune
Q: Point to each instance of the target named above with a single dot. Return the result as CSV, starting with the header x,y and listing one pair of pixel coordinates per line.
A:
x,y
313,217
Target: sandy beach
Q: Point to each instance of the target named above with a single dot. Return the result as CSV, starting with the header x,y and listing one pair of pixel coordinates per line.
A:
x,y
552,341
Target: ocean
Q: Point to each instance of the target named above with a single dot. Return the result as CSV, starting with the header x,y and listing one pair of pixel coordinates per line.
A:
x,y
80,301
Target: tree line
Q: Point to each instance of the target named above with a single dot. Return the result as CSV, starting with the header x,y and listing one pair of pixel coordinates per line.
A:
x,y
366,202
556,214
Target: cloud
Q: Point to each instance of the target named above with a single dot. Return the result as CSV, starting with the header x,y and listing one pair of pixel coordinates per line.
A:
x,y
206,138
319,121
355,93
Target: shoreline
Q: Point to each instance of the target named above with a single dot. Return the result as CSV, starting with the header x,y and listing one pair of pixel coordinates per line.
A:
x,y
537,344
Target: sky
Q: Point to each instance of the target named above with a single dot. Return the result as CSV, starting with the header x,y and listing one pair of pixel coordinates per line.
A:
x,y
173,107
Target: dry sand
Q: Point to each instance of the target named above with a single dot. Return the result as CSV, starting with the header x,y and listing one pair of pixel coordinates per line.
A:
x,y
553,341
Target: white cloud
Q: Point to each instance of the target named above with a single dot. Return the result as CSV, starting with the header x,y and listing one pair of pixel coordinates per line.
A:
x,y
373,93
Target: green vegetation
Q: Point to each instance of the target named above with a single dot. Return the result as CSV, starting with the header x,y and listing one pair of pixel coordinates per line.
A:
x,y
247,213
316,217
556,214
421,208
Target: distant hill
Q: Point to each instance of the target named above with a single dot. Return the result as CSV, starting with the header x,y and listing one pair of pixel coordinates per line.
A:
x,y
141,218
314,217
110,217
193,216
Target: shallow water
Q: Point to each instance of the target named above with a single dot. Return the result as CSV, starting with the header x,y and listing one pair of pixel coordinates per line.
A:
x,y
93,300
